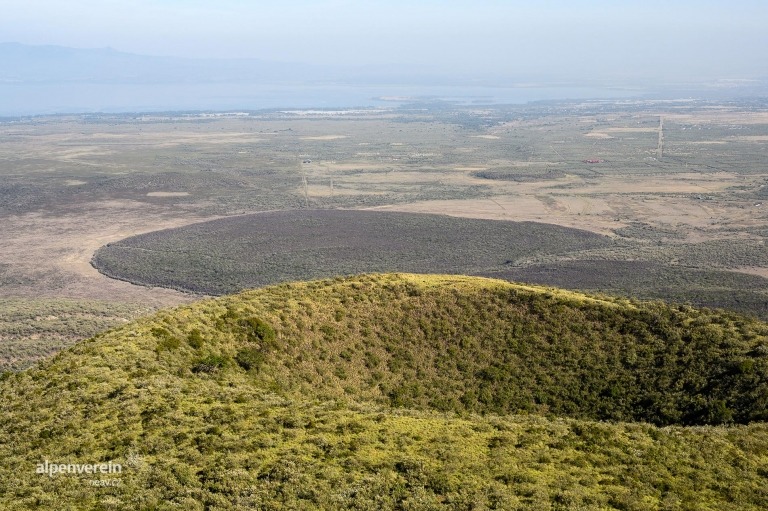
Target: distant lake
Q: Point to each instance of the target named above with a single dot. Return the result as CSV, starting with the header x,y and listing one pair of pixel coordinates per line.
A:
x,y
51,98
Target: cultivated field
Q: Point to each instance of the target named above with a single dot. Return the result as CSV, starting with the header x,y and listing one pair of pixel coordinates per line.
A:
x,y
691,205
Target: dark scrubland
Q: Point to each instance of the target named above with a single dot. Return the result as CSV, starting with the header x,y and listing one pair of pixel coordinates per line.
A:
x,y
400,392
232,254
651,281
517,175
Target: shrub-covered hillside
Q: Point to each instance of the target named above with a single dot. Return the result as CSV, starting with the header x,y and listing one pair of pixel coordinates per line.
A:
x,y
399,392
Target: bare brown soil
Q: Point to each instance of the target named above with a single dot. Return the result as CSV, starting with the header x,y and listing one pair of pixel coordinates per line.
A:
x,y
51,256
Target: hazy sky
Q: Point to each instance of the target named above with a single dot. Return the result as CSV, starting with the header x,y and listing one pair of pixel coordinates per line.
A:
x,y
727,39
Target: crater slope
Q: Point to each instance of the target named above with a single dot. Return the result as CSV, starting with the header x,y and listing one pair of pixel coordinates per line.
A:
x,y
399,391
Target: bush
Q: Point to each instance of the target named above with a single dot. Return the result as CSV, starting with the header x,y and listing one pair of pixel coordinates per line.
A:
x,y
249,358
166,340
209,364
258,331
195,339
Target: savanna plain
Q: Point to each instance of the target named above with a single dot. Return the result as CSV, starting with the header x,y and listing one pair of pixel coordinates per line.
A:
x,y
625,366
678,187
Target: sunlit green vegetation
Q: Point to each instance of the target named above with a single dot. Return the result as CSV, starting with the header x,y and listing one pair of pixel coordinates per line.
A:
x,y
400,392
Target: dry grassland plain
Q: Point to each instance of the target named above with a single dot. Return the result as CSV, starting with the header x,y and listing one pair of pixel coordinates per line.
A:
x,y
693,198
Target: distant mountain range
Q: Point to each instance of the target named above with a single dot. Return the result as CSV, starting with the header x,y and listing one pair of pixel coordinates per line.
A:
x,y
20,63
40,64
54,79
38,80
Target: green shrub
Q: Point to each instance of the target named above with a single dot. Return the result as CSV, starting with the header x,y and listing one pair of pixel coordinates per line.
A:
x,y
195,339
166,340
250,358
258,331
209,364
